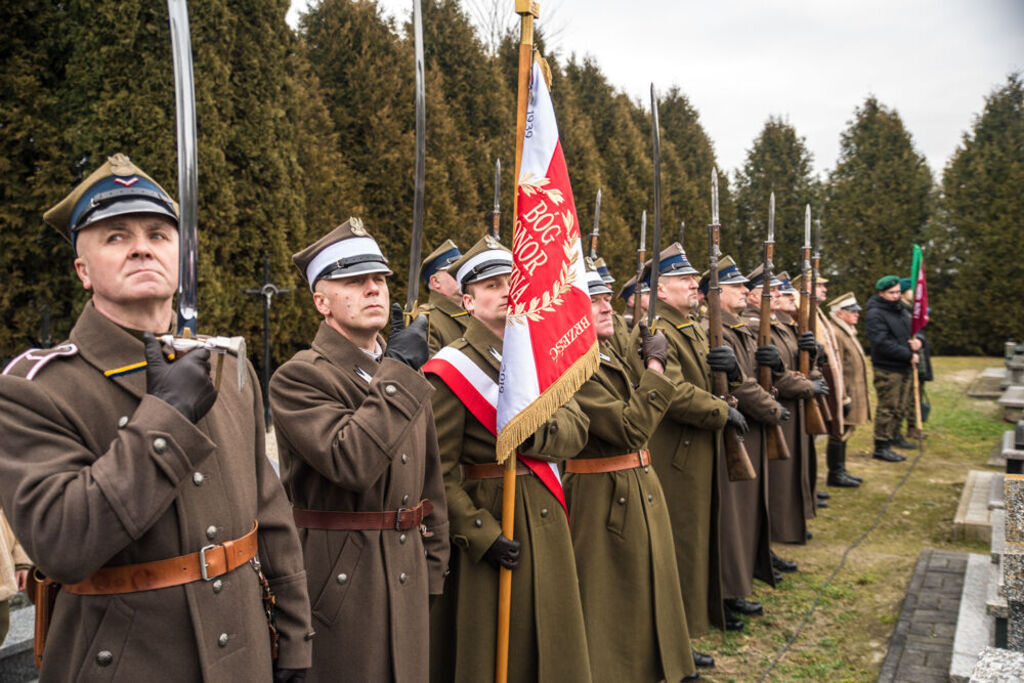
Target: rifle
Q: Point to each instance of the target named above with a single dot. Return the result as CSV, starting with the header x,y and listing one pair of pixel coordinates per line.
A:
x,y
416,243
775,440
496,214
815,421
736,458
832,405
597,225
652,301
641,258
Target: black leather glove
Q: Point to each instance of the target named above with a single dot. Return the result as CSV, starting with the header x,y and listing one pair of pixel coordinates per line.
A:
x,y
847,407
289,675
407,344
737,420
769,357
185,384
807,343
652,346
504,552
822,357
723,359
784,413
820,387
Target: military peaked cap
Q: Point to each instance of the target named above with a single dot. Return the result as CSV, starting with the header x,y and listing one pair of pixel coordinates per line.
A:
x,y
346,251
488,258
442,258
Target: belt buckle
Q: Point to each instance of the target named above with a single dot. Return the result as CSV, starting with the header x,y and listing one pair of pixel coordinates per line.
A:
x,y
398,518
203,564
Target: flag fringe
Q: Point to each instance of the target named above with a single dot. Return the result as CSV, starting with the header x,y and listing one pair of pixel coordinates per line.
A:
x,y
524,423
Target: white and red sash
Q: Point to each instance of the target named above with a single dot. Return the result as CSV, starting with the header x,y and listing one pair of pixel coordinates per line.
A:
x,y
479,393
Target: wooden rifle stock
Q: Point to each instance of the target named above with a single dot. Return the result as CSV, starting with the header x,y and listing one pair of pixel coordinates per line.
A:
x,y
812,414
831,405
774,439
737,460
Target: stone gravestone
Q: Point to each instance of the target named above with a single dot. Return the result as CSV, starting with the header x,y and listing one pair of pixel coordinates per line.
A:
x,y
1013,561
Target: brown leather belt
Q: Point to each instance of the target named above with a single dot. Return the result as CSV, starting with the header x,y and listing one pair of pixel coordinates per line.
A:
x,y
491,470
207,564
628,461
401,519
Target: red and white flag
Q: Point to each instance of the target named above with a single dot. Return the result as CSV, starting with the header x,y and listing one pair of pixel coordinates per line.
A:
x,y
550,347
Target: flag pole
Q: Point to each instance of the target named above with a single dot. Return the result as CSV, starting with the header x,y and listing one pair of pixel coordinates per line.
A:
x,y
915,368
527,11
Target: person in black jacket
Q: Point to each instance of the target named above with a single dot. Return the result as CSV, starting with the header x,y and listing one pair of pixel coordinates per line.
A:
x,y
893,356
924,374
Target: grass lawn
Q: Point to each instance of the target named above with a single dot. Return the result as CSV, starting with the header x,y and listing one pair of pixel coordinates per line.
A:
x,y
847,636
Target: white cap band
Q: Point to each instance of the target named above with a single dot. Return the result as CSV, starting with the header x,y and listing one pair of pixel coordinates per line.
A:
x,y
354,246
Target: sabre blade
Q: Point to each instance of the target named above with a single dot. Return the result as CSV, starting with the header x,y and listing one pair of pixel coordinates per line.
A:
x,y
817,238
188,170
807,227
656,244
597,225
771,218
496,216
714,196
416,242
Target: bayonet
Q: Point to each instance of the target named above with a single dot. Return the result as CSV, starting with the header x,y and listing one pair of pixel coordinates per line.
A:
x,y
641,258
815,423
682,234
188,171
775,439
597,225
416,243
656,244
496,214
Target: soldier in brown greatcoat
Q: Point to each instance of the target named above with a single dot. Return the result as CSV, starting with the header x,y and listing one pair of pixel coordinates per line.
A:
x,y
746,540
684,447
791,498
446,319
845,312
621,533
359,462
134,483
547,640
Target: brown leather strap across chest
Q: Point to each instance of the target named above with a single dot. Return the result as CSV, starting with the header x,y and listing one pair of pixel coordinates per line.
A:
x,y
628,461
401,519
491,470
209,563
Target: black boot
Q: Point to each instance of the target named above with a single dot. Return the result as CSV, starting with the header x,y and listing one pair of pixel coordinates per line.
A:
x,y
703,660
837,475
783,565
883,452
901,442
859,480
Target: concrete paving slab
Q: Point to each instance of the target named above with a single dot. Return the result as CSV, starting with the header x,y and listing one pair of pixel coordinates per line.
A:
x,y
974,627
1012,402
998,535
989,384
996,496
995,602
972,520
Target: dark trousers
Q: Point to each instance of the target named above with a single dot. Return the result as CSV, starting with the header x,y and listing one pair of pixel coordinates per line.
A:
x,y
892,389
5,619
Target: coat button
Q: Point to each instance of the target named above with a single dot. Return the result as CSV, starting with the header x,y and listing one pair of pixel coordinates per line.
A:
x,y
104,657
403,577
309,636
401,539
222,640
211,532
553,429
653,396
478,523
650,497
647,468
159,444
622,500
198,478
405,499
686,443
342,578
218,586
543,512
122,421
390,389
405,458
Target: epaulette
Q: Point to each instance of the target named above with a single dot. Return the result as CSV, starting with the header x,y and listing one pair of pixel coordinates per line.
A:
x,y
739,324
685,325
29,363
459,314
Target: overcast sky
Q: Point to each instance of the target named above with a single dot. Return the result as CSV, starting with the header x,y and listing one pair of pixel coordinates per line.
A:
x,y
812,62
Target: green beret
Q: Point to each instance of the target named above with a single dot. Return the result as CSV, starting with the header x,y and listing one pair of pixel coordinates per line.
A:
x,y
887,282
905,284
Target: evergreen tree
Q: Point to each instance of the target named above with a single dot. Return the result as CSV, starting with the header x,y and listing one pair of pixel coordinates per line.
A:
x,y
877,201
779,162
975,306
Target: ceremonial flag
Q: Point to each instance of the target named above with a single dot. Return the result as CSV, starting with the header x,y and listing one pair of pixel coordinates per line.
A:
x,y
920,312
550,347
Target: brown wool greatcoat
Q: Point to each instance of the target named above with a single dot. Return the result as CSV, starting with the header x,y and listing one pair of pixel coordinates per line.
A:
x,y
622,535
746,541
855,373
826,337
547,636
105,474
362,440
791,498
684,450
446,321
